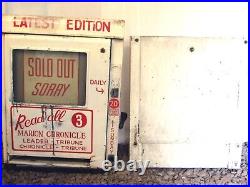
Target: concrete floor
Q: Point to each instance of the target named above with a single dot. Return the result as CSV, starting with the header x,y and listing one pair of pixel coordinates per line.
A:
x,y
13,175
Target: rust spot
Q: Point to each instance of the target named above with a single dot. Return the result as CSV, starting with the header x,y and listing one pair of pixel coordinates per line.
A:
x,y
91,158
135,141
59,124
52,123
119,21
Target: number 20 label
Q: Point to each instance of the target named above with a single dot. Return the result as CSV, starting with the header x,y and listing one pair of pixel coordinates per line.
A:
x,y
114,103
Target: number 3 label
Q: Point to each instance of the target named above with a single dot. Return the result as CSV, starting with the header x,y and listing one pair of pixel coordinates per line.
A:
x,y
79,120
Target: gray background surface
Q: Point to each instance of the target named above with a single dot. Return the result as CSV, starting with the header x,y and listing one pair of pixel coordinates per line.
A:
x,y
14,175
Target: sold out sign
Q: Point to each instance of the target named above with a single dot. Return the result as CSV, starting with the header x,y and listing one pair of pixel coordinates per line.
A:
x,y
113,103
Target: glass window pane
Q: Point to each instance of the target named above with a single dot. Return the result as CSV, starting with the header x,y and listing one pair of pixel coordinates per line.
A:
x,y
49,77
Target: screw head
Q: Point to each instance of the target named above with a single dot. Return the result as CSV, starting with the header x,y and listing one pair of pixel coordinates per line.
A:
x,y
102,50
137,40
191,49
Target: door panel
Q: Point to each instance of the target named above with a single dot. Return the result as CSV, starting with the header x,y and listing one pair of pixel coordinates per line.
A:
x,y
56,95
192,93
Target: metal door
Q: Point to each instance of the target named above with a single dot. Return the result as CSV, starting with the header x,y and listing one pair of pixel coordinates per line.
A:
x,y
56,93
188,101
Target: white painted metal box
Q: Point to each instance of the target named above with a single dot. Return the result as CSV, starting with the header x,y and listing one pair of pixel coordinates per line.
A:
x,y
61,90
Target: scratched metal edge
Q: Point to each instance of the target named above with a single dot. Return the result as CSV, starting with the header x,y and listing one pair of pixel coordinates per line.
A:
x,y
117,33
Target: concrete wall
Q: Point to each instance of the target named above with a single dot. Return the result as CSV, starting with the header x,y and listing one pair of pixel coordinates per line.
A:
x,y
151,19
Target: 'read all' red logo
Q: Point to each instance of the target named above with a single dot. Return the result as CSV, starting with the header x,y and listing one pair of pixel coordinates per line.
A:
x,y
23,121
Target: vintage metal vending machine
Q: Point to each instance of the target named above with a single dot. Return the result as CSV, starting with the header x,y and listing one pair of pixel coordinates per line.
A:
x,y
61,90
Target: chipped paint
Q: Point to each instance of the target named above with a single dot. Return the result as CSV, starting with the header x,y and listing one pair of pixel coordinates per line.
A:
x,y
63,26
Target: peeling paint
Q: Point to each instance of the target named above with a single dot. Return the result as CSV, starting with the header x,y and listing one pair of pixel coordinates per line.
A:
x,y
238,94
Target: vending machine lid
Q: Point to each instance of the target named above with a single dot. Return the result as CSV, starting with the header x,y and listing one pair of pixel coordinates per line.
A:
x,y
63,26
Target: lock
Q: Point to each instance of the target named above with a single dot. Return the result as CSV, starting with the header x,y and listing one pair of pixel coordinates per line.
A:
x,y
114,92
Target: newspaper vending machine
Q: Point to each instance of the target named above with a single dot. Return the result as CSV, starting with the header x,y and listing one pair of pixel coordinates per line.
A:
x,y
61,90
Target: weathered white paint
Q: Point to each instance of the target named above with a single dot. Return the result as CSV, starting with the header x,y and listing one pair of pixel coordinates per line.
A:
x,y
134,144
198,155
166,19
188,98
